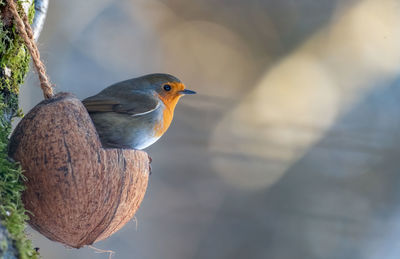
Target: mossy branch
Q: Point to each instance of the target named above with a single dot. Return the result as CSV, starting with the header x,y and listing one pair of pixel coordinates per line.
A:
x,y
14,65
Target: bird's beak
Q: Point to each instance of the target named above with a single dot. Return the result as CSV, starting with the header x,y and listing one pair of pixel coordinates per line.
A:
x,y
186,91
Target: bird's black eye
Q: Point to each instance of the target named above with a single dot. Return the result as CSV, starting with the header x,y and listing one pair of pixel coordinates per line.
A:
x,y
167,87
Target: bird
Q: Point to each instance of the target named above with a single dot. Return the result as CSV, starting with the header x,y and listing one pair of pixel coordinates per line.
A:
x,y
135,113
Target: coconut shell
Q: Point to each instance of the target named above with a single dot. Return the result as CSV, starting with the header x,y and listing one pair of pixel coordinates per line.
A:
x,y
77,191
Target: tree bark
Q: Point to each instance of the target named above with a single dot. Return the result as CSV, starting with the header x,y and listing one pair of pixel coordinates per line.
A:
x,y
14,65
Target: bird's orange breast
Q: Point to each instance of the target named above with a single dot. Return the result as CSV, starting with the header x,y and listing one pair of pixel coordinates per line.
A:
x,y
161,127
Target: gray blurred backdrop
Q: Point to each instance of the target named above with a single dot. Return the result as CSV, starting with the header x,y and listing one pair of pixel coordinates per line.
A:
x,y
290,150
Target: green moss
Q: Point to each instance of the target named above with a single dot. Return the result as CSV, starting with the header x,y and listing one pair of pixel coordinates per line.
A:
x,y
14,65
12,213
3,245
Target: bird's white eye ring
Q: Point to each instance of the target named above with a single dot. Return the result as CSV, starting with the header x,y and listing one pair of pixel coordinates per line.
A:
x,y
167,88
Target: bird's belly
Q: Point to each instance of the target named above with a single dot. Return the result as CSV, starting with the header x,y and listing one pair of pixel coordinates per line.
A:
x,y
144,141
144,134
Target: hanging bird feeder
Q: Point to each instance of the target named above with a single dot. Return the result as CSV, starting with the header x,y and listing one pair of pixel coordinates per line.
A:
x,y
77,192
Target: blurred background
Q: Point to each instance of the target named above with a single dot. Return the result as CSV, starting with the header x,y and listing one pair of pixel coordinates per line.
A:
x,y
291,147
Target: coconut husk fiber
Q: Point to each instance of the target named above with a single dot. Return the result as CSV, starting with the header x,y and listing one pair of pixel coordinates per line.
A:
x,y
77,191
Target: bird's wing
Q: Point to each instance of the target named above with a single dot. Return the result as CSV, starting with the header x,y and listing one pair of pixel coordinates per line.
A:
x,y
133,105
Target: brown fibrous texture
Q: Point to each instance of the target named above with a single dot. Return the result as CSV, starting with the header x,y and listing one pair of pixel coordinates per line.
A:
x,y
77,191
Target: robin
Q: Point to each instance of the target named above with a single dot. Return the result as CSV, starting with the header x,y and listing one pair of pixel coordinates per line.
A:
x,y
135,113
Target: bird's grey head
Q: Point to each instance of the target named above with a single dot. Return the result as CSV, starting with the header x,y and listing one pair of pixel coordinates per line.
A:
x,y
162,84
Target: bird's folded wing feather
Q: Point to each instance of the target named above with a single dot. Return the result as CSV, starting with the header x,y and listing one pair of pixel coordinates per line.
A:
x,y
134,105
